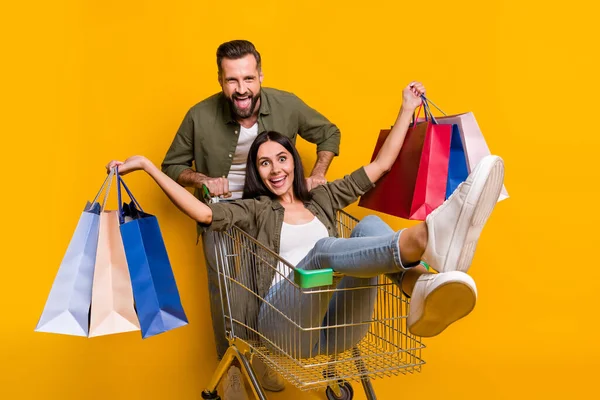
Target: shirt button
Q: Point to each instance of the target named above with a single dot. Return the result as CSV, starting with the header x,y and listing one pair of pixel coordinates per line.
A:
x,y
236,132
230,155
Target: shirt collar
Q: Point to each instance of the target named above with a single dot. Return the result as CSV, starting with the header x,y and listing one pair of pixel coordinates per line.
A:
x,y
275,205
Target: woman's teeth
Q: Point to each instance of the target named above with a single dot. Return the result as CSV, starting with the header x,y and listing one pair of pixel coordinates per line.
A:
x,y
277,181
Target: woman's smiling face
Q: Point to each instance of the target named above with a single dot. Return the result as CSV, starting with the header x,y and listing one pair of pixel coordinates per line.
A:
x,y
276,168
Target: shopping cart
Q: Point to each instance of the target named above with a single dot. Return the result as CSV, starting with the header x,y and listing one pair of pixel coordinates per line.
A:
x,y
360,345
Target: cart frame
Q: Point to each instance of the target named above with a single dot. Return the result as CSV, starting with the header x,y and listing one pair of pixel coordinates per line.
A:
x,y
373,345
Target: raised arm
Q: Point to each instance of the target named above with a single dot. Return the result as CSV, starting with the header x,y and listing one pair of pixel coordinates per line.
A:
x,y
411,99
183,199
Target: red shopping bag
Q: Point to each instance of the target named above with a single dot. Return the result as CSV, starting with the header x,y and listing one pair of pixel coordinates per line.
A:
x,y
416,183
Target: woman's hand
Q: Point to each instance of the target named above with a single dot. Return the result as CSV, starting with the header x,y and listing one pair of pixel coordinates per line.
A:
x,y
411,96
411,99
179,195
134,163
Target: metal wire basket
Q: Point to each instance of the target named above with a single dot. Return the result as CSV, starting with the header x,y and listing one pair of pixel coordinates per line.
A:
x,y
363,334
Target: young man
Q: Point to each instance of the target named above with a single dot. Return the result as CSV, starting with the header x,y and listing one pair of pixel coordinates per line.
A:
x,y
215,136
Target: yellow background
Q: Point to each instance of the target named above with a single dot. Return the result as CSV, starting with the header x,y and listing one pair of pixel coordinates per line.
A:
x,y
87,81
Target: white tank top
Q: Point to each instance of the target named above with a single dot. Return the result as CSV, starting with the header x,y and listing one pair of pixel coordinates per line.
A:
x,y
237,173
296,242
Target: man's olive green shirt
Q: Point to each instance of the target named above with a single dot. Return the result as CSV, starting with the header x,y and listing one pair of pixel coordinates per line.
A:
x,y
209,134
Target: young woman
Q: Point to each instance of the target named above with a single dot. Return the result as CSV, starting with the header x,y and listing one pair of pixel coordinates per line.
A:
x,y
299,225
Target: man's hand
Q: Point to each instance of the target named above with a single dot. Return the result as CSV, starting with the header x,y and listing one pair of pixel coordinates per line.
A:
x,y
216,186
317,176
314,181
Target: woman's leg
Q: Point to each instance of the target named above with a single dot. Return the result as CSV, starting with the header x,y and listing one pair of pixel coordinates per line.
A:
x,y
369,256
376,255
355,306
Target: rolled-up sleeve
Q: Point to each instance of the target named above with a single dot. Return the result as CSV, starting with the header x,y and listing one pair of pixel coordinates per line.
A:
x,y
343,192
180,155
227,214
316,128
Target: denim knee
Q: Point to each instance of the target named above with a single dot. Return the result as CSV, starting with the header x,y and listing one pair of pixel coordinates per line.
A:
x,y
372,219
371,225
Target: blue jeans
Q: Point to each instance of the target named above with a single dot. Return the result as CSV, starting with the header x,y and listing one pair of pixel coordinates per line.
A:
x,y
372,250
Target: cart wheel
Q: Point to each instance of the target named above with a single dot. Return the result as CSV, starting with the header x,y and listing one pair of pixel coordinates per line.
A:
x,y
345,389
210,395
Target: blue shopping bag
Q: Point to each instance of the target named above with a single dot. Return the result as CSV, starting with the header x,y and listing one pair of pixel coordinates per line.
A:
x,y
458,169
457,165
67,307
155,292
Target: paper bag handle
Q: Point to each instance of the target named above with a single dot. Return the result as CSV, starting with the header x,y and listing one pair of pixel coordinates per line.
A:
x,y
432,103
120,182
428,114
107,181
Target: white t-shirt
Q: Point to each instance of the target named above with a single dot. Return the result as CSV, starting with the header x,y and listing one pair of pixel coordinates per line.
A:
x,y
237,173
296,242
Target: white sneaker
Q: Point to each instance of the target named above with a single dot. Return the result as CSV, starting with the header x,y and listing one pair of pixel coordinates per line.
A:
x,y
455,226
233,385
438,300
268,378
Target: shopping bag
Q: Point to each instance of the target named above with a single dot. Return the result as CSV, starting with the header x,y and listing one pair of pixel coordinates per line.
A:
x,y
416,183
155,291
112,296
68,305
474,143
457,165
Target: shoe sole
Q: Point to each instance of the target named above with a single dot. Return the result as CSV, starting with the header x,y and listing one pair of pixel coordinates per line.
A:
x,y
478,206
445,305
273,388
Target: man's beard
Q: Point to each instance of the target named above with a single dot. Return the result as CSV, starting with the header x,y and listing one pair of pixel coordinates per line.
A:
x,y
247,112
